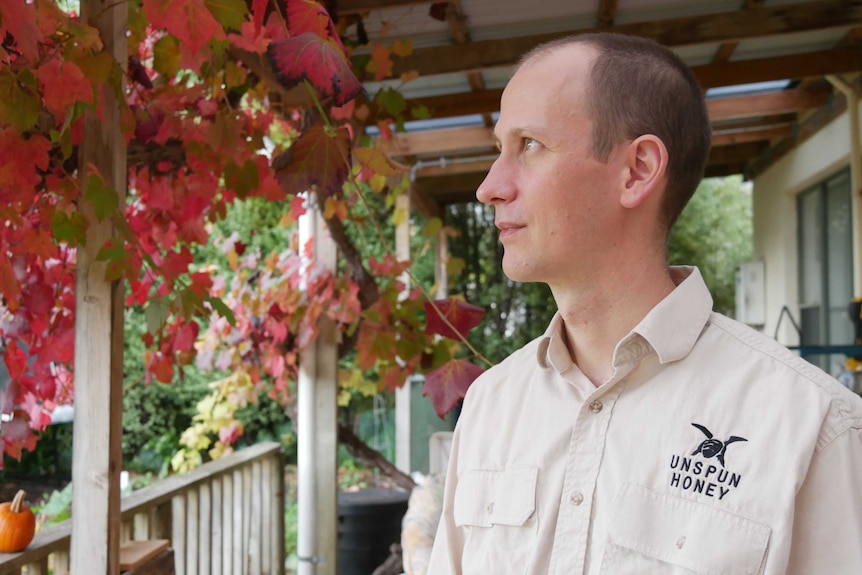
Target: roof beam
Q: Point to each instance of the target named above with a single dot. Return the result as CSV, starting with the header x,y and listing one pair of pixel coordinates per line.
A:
x,y
481,138
771,104
360,6
744,136
835,61
730,26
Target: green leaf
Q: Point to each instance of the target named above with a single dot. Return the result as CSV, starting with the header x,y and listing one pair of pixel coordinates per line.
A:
x,y
219,306
69,228
156,313
242,180
17,107
166,56
116,257
229,13
105,199
420,112
432,228
392,101
455,266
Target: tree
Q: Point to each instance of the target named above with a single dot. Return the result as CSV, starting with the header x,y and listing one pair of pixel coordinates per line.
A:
x,y
714,232
203,93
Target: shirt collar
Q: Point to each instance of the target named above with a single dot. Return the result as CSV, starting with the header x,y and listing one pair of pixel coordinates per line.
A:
x,y
671,328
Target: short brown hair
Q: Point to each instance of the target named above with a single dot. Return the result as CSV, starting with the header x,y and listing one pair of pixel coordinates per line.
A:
x,y
637,86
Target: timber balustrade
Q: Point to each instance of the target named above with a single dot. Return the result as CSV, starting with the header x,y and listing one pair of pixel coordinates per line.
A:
x,y
224,518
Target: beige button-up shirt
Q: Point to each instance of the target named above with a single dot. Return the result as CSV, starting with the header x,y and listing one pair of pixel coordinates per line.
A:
x,y
712,449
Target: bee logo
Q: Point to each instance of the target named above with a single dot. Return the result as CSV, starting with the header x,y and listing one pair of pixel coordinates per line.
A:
x,y
712,447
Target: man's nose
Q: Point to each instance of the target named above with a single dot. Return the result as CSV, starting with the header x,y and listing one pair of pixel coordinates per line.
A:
x,y
497,187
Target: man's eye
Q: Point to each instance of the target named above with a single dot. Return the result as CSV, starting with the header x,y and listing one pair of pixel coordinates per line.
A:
x,y
530,143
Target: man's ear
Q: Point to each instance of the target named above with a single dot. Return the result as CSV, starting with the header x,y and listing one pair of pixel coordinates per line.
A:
x,y
646,162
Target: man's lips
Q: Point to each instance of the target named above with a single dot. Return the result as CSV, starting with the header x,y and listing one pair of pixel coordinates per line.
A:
x,y
508,229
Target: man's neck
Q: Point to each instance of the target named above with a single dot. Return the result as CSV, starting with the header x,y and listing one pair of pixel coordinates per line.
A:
x,y
595,319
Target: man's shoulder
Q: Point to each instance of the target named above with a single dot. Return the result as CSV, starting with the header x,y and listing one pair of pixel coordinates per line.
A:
x,y
798,379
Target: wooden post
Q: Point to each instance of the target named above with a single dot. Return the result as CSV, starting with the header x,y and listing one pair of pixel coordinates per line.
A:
x,y
402,394
441,258
317,394
97,453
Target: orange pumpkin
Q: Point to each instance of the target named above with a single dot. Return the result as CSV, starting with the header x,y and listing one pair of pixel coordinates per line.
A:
x,y
17,524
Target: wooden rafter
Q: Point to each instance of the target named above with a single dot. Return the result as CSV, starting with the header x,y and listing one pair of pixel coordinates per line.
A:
x,y
816,64
607,13
481,138
726,49
686,31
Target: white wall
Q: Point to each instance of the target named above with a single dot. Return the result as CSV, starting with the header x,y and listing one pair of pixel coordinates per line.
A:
x,y
775,224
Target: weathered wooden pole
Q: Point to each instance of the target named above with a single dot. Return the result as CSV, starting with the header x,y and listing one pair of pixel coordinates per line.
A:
x,y
97,451
317,433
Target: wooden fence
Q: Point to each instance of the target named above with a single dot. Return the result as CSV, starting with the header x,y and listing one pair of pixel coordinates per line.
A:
x,y
224,518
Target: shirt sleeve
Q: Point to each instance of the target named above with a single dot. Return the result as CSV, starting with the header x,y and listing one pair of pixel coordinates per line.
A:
x,y
449,541
827,528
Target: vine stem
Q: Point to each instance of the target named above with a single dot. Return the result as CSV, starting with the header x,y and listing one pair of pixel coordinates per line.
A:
x,y
379,230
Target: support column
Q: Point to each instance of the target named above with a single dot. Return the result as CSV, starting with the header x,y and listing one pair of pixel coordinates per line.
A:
x,y
97,449
855,176
402,394
317,434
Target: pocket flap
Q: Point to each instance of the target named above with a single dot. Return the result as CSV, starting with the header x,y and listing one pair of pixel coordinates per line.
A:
x,y
699,537
485,497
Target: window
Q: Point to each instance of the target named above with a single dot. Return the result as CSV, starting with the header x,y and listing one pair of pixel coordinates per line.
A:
x,y
826,267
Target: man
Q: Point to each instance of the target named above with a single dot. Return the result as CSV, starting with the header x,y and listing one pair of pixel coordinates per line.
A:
x,y
641,433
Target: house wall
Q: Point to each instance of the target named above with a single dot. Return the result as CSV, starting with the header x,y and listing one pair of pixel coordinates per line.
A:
x,y
775,221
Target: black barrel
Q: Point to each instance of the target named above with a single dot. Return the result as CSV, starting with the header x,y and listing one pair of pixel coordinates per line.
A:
x,y
369,521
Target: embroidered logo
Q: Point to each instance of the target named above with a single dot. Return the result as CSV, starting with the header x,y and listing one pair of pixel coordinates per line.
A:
x,y
712,447
691,473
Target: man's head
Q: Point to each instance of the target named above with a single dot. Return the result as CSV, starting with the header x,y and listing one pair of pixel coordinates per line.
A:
x,y
636,87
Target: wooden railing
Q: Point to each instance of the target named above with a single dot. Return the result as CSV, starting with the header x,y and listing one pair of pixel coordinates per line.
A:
x,y
224,518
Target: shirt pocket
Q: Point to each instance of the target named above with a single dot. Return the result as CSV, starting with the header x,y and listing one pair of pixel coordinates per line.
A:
x,y
660,534
496,509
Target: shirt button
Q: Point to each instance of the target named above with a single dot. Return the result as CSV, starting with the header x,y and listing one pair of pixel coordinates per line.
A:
x,y
680,542
577,498
596,406
490,508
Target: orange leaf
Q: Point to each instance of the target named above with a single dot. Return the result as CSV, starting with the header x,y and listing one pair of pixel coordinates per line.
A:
x,y
381,62
402,48
377,161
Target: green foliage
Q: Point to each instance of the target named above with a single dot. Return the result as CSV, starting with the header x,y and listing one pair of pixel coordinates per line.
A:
x,y
52,456
515,312
58,508
715,233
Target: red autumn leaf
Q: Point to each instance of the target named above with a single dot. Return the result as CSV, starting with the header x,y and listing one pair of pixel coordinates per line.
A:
x,y
188,20
16,434
185,337
39,298
315,159
258,13
462,315
16,360
447,384
321,62
177,263
18,18
62,85
161,368
310,16
10,288
22,160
